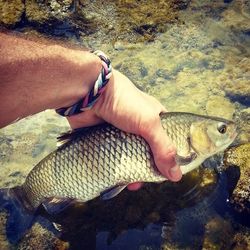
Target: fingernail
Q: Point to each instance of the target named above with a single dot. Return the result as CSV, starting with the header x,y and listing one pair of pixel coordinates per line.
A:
x,y
175,173
174,169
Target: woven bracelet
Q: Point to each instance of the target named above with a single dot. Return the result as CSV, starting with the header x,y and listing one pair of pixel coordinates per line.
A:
x,y
89,100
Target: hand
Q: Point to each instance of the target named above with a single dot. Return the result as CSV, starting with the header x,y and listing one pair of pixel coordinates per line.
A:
x,y
131,110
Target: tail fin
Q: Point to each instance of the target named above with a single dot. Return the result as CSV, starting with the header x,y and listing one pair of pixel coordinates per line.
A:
x,y
19,212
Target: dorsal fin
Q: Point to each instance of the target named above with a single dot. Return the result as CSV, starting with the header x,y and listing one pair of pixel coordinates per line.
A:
x,y
70,135
76,133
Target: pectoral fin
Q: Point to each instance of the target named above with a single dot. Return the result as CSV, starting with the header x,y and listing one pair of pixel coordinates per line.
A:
x,y
185,160
112,192
56,205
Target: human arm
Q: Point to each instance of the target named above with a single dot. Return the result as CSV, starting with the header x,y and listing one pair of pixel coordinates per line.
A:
x,y
35,77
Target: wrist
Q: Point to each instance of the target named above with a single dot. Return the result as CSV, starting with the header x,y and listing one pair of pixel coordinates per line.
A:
x,y
79,72
88,100
36,76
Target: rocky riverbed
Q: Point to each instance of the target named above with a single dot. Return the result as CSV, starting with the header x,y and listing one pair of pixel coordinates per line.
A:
x,y
191,55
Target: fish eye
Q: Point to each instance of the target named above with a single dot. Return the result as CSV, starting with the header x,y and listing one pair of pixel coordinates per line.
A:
x,y
222,128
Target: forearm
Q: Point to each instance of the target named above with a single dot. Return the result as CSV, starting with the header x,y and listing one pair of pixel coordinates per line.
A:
x,y
35,77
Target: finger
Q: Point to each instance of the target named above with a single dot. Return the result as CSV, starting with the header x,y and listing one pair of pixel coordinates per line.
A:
x,y
85,119
163,151
135,186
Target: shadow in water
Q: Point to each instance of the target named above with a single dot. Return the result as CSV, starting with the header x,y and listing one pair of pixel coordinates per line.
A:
x,y
172,212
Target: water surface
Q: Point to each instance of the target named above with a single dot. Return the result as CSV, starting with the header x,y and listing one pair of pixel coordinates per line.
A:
x,y
199,64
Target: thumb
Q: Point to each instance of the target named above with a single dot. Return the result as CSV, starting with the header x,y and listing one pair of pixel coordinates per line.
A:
x,y
163,151
86,119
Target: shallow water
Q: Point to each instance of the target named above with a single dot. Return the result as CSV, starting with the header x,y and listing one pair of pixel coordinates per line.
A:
x,y
199,64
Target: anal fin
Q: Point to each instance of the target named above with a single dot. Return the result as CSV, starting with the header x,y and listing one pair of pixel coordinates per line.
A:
x,y
112,192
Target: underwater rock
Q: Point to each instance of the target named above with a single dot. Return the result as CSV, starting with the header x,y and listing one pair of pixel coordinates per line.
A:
x,y
146,17
6,148
218,234
239,156
11,12
58,18
119,20
244,7
163,73
118,45
220,106
232,19
27,144
40,238
43,11
4,244
241,240
243,123
134,70
35,12
236,82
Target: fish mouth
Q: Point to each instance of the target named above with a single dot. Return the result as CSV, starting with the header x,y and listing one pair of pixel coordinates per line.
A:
x,y
233,135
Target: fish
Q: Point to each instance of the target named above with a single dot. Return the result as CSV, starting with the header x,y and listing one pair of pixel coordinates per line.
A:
x,y
103,157
102,160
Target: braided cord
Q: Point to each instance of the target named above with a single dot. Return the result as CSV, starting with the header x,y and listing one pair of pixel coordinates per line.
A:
x,y
89,100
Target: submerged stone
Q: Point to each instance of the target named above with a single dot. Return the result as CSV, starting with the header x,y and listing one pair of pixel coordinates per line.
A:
x,y
126,20
236,82
4,244
242,118
217,234
44,11
220,106
11,12
40,238
241,241
239,156
6,148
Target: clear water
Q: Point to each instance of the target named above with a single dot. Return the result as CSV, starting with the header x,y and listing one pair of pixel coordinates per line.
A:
x,y
200,65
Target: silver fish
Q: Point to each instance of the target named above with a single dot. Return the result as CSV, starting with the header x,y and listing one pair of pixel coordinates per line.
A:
x,y
104,160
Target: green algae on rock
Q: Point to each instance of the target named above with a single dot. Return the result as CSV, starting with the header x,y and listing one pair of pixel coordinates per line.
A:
x,y
220,106
242,118
218,234
19,150
4,244
40,238
125,20
236,84
132,20
11,12
44,11
241,241
239,156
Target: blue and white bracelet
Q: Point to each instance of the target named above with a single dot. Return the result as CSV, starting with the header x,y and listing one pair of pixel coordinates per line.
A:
x,y
89,100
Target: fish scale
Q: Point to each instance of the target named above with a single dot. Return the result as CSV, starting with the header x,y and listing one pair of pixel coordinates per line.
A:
x,y
96,159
